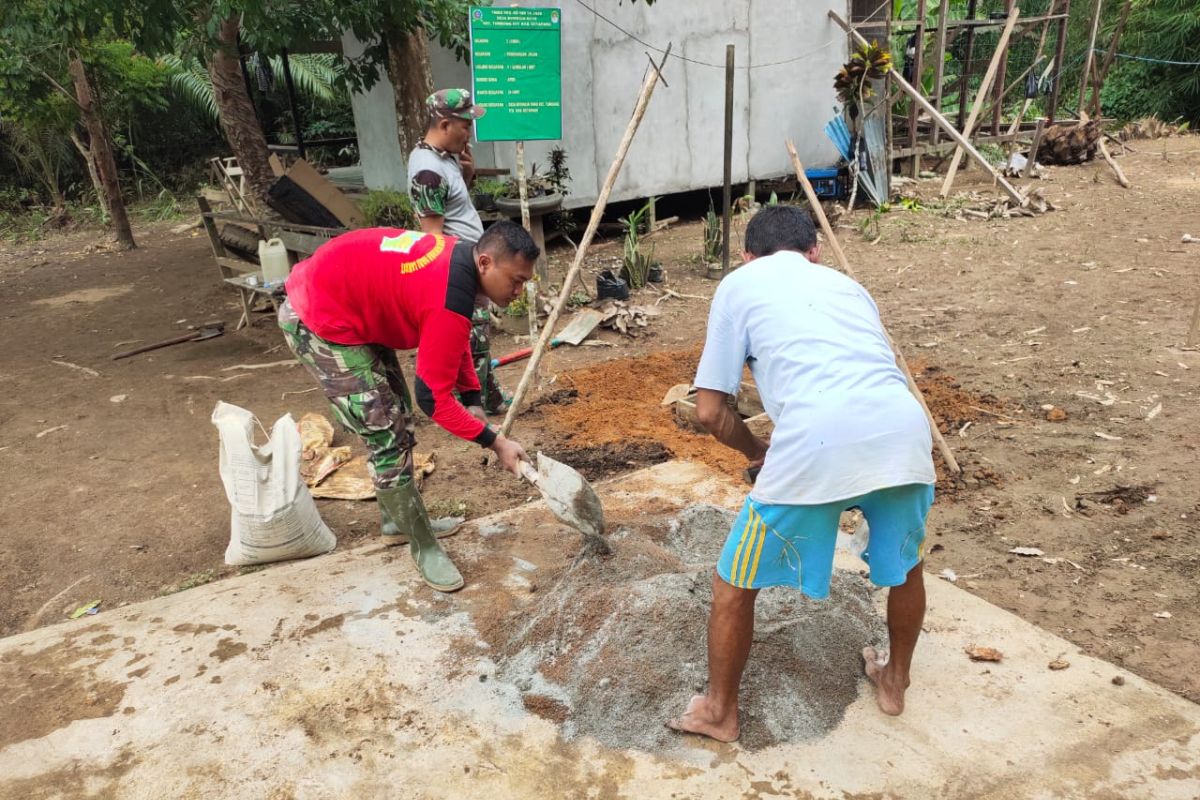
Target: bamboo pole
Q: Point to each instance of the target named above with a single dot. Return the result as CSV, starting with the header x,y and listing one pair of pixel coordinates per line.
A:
x,y
998,57
914,167
531,287
1033,148
1193,337
939,119
839,255
1121,179
639,111
997,108
939,53
1086,80
1059,51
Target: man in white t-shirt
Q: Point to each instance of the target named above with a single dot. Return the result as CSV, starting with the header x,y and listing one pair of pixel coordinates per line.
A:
x,y
847,434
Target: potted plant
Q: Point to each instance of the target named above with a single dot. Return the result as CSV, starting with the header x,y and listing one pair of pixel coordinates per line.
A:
x,y
539,193
485,191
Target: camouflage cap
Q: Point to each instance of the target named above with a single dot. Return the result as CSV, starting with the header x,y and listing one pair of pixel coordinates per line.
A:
x,y
453,103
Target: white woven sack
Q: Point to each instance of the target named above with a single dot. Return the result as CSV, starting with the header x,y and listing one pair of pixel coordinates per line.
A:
x,y
274,517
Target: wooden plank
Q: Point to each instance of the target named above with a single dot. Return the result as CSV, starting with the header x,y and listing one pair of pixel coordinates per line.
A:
x,y
999,56
914,167
939,53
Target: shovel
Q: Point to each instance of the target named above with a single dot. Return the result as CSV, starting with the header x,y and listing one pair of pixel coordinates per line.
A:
x,y
578,329
570,498
197,335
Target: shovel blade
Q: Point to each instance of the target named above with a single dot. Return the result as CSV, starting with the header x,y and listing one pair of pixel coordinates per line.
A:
x,y
571,498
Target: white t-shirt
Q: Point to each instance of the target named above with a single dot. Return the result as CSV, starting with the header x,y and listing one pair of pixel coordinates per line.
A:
x,y
845,422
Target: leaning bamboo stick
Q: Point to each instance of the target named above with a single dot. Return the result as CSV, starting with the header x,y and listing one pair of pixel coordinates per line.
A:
x,y
985,88
938,118
1121,179
639,111
840,256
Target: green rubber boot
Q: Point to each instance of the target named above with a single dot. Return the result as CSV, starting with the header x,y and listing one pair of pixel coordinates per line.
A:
x,y
404,507
392,535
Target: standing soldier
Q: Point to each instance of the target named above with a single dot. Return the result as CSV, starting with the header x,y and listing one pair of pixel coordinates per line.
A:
x,y
441,171
370,292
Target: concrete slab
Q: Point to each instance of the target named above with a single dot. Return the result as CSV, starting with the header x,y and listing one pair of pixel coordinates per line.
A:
x,y
344,677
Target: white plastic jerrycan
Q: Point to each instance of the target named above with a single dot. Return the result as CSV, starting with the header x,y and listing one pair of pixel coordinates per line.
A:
x,y
273,258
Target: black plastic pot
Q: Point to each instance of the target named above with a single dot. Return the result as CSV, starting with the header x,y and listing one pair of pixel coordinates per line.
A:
x,y
609,285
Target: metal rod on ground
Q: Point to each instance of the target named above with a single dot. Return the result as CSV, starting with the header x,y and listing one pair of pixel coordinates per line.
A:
x,y
840,256
727,191
980,98
531,287
1086,79
639,111
1033,148
940,120
914,167
940,67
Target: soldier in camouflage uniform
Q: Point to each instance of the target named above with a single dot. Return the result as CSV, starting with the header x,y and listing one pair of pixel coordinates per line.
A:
x,y
441,171
370,292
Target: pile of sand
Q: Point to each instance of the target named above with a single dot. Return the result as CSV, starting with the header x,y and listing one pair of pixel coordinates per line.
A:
x,y
612,647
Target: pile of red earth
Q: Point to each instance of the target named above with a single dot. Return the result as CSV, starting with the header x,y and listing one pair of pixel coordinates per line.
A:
x,y
610,418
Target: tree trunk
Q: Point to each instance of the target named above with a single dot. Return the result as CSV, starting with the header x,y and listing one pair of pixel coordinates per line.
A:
x,y
86,152
412,82
238,119
106,165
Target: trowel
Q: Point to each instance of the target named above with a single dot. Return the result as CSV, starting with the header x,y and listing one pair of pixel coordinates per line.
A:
x,y
570,498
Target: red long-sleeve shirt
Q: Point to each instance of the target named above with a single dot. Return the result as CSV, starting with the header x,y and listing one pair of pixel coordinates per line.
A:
x,y
404,290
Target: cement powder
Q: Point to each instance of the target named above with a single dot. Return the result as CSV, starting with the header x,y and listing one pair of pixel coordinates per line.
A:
x,y
616,646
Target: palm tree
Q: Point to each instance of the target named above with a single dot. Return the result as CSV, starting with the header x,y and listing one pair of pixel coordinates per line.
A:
x,y
316,77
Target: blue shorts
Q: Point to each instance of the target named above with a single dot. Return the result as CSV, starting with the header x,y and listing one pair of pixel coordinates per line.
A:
x,y
792,545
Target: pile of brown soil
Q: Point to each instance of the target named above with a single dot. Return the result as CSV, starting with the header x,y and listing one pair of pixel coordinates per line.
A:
x,y
611,417
613,647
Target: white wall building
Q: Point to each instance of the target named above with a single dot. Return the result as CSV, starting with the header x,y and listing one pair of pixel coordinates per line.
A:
x,y
787,53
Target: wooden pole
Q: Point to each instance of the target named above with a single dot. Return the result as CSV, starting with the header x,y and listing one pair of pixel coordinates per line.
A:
x,y
939,53
1037,56
1086,79
531,287
1059,51
1121,179
844,263
999,56
914,166
639,111
1111,55
998,107
727,192
1037,142
964,86
1193,337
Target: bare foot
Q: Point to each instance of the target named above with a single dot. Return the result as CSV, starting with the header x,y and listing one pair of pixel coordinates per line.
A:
x,y
703,718
889,691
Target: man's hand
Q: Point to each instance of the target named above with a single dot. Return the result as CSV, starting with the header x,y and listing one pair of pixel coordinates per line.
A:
x,y
478,413
510,453
467,162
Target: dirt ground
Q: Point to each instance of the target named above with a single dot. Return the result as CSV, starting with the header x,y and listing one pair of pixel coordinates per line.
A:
x,y
112,491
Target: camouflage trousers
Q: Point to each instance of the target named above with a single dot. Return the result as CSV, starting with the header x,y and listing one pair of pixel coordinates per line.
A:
x,y
481,353
368,393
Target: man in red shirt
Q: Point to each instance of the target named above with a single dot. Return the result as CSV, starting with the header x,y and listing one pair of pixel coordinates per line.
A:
x,y
370,292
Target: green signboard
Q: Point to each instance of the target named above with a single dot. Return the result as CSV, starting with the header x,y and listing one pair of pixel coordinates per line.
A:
x,y
516,68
